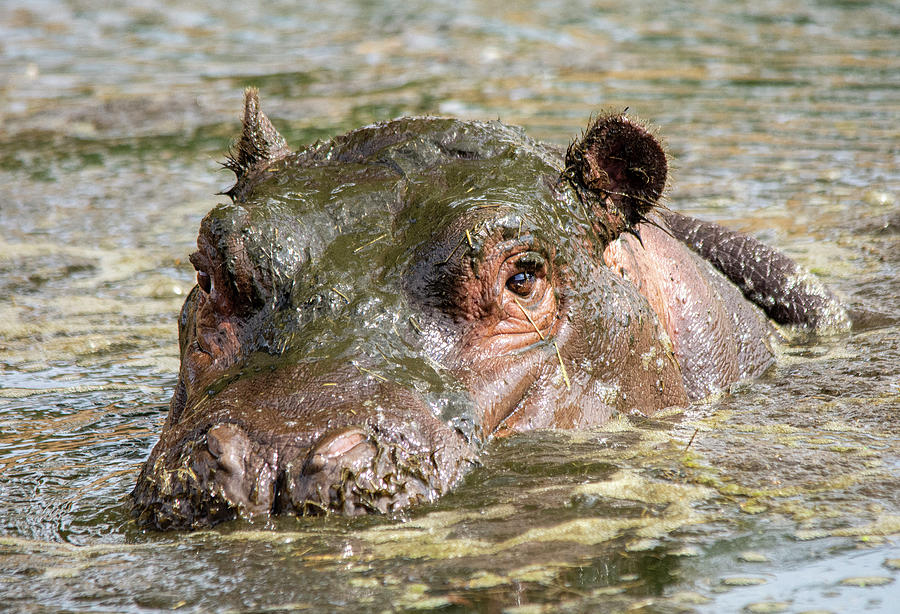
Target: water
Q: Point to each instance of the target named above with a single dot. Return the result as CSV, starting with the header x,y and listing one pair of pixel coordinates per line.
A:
x,y
783,495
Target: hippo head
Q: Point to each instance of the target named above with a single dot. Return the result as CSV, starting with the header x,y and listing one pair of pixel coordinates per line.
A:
x,y
368,311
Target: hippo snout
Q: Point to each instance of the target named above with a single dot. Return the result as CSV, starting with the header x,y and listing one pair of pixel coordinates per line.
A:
x,y
342,471
352,459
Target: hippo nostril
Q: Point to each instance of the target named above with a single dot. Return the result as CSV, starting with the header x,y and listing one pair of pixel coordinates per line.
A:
x,y
340,442
229,444
351,445
242,472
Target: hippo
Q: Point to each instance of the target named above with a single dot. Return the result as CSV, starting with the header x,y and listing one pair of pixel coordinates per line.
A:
x,y
371,310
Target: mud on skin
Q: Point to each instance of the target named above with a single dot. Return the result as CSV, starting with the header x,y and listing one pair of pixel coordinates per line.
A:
x,y
370,310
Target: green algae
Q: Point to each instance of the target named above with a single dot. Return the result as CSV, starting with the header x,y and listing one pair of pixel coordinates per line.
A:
x,y
685,551
866,581
689,598
742,581
582,531
486,579
884,525
18,545
275,537
632,486
767,607
753,507
777,429
753,557
642,545
809,534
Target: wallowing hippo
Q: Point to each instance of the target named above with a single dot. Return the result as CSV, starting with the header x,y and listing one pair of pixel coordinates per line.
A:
x,y
370,310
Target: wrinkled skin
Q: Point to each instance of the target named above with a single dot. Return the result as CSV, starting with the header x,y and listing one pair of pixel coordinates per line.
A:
x,y
370,310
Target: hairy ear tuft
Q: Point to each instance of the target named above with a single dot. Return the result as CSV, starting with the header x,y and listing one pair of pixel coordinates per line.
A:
x,y
258,146
621,168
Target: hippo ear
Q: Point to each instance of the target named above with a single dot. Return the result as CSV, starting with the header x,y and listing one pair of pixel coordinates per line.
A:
x,y
259,144
620,169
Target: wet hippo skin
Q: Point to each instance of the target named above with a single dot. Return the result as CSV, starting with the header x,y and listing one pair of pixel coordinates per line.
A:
x,y
370,310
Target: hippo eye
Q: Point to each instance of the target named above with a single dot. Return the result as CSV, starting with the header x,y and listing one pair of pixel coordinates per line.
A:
x,y
522,283
204,281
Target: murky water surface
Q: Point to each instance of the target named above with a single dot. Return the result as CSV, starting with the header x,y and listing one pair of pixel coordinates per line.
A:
x,y
783,495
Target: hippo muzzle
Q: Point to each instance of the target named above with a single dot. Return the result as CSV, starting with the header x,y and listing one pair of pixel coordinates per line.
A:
x,y
303,445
